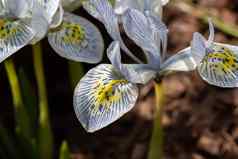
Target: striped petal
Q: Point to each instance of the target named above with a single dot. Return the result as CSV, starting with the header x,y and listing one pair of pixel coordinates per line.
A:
x,y
16,8
182,61
135,73
198,47
39,23
137,27
220,65
57,18
77,39
103,11
102,96
49,7
14,34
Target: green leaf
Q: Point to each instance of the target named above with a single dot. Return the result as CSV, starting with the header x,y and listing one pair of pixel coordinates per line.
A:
x,y
29,98
64,151
8,146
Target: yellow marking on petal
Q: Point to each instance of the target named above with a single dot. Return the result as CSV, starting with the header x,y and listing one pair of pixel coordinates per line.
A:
x,y
6,28
74,33
223,60
106,94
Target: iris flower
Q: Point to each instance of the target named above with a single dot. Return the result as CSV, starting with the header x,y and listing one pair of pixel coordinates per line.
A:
x,y
108,91
217,63
26,22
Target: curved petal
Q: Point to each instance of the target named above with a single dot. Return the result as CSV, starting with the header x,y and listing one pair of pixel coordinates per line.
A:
x,y
57,18
13,36
16,8
122,5
212,33
77,39
103,96
159,31
49,7
220,66
198,47
137,27
182,61
39,23
135,73
104,12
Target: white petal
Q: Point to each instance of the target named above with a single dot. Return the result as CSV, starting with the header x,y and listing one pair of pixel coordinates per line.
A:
x,y
220,66
159,31
212,32
57,18
103,96
182,61
198,47
13,36
16,8
135,73
77,39
49,7
122,5
138,29
103,10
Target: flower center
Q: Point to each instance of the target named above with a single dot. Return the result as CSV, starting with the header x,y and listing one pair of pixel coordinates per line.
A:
x,y
221,59
74,33
106,94
6,28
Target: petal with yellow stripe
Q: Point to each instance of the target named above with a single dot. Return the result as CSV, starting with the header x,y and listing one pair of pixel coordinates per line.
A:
x,y
102,96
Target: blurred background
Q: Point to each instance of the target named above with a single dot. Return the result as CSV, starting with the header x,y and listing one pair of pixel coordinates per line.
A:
x,y
200,121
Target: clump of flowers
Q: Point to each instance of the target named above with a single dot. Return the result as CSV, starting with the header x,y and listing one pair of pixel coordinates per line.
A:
x,y
26,22
108,91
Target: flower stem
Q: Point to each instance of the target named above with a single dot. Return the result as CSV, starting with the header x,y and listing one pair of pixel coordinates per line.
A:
x,y
156,143
45,139
21,117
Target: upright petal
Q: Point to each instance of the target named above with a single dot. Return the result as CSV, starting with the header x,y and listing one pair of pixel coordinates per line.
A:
x,y
77,39
39,23
182,61
49,7
212,33
198,47
137,27
103,10
103,96
57,18
14,34
159,31
122,5
220,65
16,8
135,73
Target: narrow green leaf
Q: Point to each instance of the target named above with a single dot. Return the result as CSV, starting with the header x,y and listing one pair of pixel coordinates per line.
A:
x,y
8,144
64,151
21,117
29,98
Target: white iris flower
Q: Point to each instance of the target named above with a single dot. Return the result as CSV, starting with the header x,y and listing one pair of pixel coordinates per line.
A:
x,y
24,22
107,91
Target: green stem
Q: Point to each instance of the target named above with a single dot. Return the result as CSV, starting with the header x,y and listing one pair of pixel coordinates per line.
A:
x,y
156,143
45,140
21,117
